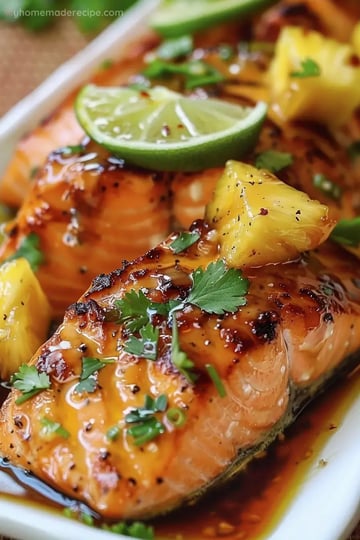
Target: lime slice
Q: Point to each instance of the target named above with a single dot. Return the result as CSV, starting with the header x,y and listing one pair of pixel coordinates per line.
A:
x,y
177,17
162,130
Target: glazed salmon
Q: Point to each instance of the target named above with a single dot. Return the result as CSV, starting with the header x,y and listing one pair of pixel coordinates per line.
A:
x,y
299,326
89,214
61,128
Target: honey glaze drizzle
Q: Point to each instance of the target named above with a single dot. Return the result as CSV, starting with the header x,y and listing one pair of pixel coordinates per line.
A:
x,y
250,506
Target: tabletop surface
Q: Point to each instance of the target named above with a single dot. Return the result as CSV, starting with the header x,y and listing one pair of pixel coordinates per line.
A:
x,y
28,58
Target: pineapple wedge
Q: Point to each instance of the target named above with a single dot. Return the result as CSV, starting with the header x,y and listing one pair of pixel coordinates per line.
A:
x,y
329,97
261,220
24,318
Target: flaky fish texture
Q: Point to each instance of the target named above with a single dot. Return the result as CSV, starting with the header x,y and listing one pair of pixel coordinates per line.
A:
x,y
300,325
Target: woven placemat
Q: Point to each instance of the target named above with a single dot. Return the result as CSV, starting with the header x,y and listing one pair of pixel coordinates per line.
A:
x,y
28,58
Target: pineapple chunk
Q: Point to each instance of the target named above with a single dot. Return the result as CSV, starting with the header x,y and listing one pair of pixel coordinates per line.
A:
x,y
261,220
330,97
355,38
24,316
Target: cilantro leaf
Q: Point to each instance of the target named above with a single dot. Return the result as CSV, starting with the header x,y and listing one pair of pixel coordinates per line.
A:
x,y
49,427
179,358
29,381
146,345
195,72
133,310
29,249
183,241
309,68
87,385
273,160
327,186
347,232
218,289
90,366
172,48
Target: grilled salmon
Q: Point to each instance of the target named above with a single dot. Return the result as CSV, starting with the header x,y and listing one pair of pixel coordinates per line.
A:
x,y
84,209
144,432
61,127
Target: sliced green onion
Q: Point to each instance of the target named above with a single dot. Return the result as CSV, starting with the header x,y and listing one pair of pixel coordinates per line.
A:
x,y
214,376
176,416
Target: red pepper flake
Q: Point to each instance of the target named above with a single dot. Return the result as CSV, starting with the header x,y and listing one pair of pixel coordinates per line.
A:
x,y
144,94
264,211
180,126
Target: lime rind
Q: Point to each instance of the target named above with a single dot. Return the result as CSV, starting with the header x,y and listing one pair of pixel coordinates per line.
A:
x,y
163,130
176,18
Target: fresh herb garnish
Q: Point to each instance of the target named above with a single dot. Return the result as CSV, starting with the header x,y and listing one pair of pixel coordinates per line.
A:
x,y
71,149
134,310
327,186
113,433
354,150
175,47
29,249
90,366
309,68
30,382
214,376
183,241
218,289
347,232
146,344
147,425
273,160
176,416
49,427
179,358
195,72
137,529
34,171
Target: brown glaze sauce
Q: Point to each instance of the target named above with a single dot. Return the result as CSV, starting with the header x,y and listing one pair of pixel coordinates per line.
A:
x,y
251,506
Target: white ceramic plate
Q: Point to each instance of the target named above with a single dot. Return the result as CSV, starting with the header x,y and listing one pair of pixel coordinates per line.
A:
x,y
327,507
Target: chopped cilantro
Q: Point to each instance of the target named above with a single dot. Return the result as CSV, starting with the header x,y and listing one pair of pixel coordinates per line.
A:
x,y
146,344
214,376
327,186
273,160
347,232
29,381
183,241
29,249
309,68
218,289
49,427
195,72
90,366
175,47
134,310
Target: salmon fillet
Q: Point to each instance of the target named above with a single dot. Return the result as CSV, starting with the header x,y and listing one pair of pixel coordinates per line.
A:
x,y
89,214
300,324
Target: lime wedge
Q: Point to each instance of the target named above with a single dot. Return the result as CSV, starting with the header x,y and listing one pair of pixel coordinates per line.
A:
x,y
162,130
177,17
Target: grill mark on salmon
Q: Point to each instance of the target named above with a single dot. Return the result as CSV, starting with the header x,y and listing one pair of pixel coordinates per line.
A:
x,y
300,325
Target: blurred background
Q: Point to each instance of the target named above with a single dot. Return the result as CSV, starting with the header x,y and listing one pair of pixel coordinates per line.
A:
x,y
36,36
